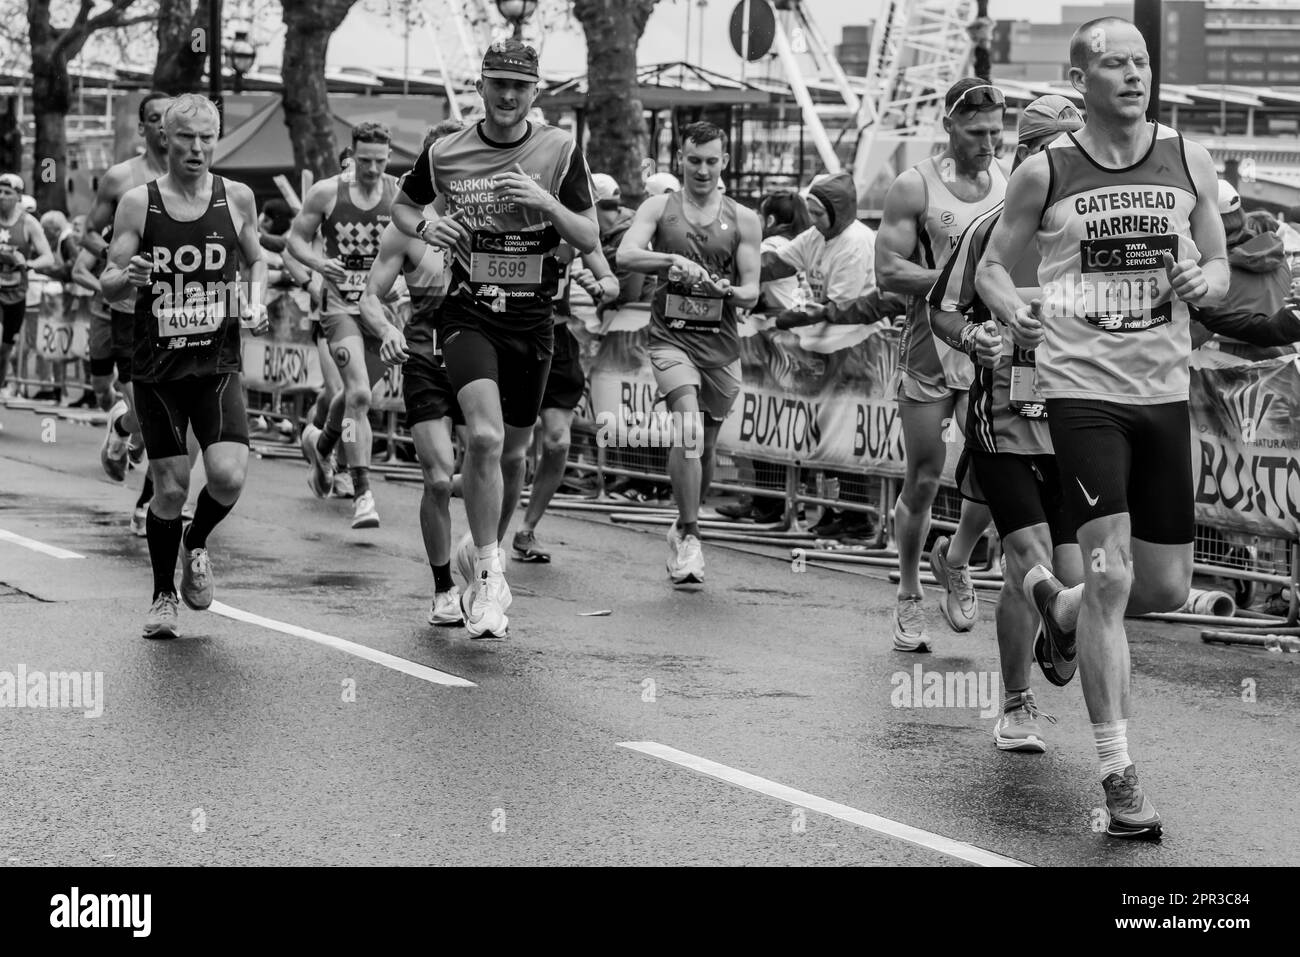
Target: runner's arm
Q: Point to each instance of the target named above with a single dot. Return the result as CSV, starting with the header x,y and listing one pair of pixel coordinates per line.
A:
x,y
379,283
128,228
305,226
1026,194
748,259
82,268
896,241
603,276
1207,227
252,265
635,253
101,214
1256,328
44,255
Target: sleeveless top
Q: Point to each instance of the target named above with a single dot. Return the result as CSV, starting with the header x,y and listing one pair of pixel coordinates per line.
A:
x,y
1113,330
187,322
13,279
702,326
922,354
427,283
352,235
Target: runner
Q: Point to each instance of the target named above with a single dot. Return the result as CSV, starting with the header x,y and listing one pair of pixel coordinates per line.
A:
x,y
1128,230
706,254
512,191
350,213
1008,463
110,342
189,229
926,210
431,408
565,386
23,246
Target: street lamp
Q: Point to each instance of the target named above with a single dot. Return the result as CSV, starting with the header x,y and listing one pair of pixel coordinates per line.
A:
x,y
516,12
242,53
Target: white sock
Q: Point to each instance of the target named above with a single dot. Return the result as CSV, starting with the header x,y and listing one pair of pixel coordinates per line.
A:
x,y
1111,738
486,556
1065,607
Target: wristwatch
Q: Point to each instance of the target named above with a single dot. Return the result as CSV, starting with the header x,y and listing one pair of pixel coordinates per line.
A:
x,y
420,228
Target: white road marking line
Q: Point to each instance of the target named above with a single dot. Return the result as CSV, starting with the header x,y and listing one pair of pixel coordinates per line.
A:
x,y
51,550
423,672
872,822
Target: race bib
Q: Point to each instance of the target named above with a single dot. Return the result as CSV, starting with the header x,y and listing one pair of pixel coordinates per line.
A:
x,y
693,313
1125,287
357,269
195,318
507,259
1026,400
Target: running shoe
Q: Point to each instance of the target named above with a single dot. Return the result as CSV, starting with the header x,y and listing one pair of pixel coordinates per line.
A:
x,y
196,577
909,624
444,610
685,565
113,453
342,485
960,606
164,618
1055,649
364,513
526,548
320,479
139,517
1131,813
482,607
1017,727
466,558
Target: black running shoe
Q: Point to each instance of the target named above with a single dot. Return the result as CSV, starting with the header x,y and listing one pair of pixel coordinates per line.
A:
x,y
1131,813
1055,649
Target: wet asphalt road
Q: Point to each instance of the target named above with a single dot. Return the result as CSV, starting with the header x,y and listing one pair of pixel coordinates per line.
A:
x,y
238,744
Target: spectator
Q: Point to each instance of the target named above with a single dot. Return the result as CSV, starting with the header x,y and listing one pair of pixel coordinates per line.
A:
x,y
1260,279
614,218
273,225
656,184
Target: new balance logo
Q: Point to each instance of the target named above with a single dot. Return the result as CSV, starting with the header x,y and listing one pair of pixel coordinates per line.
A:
x,y
1092,499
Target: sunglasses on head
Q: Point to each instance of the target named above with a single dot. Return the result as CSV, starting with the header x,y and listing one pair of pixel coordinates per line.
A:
x,y
978,98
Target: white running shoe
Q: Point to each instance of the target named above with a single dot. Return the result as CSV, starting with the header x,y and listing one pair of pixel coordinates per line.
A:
x,y
113,454
321,477
909,624
686,564
139,517
364,513
444,610
961,604
466,559
485,616
343,485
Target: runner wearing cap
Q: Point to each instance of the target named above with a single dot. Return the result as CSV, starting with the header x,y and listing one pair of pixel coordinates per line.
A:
x,y
926,209
188,243
1125,214
23,246
511,192
350,213
704,247
1008,463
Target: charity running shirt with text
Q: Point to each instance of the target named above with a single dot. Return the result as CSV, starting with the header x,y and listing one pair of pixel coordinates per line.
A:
x,y
1113,330
187,320
1006,412
507,274
701,325
351,235
922,355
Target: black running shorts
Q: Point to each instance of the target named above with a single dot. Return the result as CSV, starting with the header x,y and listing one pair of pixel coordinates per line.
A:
x,y
1020,490
427,391
14,313
110,345
1135,459
518,363
123,341
213,406
566,383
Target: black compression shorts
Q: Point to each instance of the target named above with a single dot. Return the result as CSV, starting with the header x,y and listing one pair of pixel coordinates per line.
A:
x,y
1020,490
518,363
13,312
213,406
1134,459
427,391
565,383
